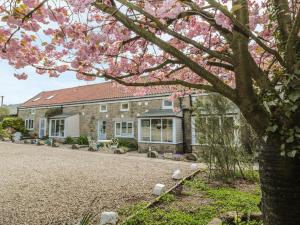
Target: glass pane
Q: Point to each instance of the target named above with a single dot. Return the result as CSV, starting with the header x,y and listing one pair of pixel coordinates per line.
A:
x,y
145,130
52,127
125,106
56,127
156,130
62,128
168,103
130,130
124,128
213,132
118,128
103,107
167,130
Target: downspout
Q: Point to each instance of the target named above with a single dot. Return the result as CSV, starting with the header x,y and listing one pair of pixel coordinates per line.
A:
x,y
182,125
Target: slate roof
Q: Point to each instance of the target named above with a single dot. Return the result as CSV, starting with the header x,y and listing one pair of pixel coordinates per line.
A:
x,y
92,93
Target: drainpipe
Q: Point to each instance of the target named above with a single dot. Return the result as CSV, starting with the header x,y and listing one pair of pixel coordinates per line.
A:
x,y
182,124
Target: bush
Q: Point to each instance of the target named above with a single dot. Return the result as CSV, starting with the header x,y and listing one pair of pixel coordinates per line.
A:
x,y
131,144
69,141
4,133
14,122
82,140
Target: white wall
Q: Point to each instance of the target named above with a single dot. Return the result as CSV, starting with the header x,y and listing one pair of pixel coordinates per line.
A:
x,y
72,126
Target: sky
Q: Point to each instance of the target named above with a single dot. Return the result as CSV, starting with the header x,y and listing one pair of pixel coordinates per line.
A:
x,y
18,91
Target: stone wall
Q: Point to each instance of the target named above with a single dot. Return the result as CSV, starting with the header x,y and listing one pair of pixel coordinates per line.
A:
x,y
160,148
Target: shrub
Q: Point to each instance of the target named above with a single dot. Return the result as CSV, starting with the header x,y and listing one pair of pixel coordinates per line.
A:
x,y
131,144
4,133
14,122
82,140
69,141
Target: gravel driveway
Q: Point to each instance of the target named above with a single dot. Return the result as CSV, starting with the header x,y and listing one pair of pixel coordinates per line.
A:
x,y
43,185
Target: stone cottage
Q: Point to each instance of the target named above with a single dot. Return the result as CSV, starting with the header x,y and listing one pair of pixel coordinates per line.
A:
x,y
103,111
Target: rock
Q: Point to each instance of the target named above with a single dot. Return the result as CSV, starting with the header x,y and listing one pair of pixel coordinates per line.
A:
x,y
110,218
191,157
55,145
215,221
152,154
229,217
168,155
119,151
159,189
92,148
177,175
178,190
195,166
40,142
27,141
6,139
75,146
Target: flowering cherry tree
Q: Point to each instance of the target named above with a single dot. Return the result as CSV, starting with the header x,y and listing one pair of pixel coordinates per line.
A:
x,y
246,50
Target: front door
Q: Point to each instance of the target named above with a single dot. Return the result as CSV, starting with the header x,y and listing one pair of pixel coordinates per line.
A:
x,y
101,130
42,127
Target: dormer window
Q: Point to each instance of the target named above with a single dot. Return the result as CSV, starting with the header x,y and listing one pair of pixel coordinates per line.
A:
x,y
124,106
50,97
166,104
103,108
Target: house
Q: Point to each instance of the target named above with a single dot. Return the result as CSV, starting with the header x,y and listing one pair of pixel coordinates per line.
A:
x,y
106,110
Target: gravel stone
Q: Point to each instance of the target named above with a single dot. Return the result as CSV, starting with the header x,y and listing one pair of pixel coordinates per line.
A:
x,y
40,185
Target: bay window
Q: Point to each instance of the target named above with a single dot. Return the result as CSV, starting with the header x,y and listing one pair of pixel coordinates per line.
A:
x,y
156,130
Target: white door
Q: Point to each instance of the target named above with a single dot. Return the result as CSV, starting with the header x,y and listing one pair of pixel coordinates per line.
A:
x,y
101,130
42,127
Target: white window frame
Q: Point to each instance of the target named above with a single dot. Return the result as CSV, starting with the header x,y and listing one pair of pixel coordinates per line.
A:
x,y
27,124
159,142
235,120
121,106
32,111
50,127
124,135
100,108
167,106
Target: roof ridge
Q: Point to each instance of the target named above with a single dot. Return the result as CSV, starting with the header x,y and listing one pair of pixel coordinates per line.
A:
x,y
79,86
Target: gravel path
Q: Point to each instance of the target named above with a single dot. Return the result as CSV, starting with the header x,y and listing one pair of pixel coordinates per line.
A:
x,y
40,185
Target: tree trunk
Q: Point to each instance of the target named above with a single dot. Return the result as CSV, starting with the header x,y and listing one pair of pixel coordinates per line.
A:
x,y
280,185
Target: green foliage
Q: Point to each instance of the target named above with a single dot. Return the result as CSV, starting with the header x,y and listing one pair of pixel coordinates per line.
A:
x,y
69,141
3,112
82,140
131,144
220,129
167,198
14,122
223,199
4,133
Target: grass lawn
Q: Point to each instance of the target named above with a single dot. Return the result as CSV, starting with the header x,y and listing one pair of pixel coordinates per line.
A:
x,y
198,204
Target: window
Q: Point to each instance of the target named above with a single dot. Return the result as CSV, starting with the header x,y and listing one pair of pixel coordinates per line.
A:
x,y
209,128
103,108
50,97
124,106
124,129
36,99
32,111
157,130
29,124
57,128
167,104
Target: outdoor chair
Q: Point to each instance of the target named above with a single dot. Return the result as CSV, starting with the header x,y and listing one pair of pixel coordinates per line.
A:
x,y
114,144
